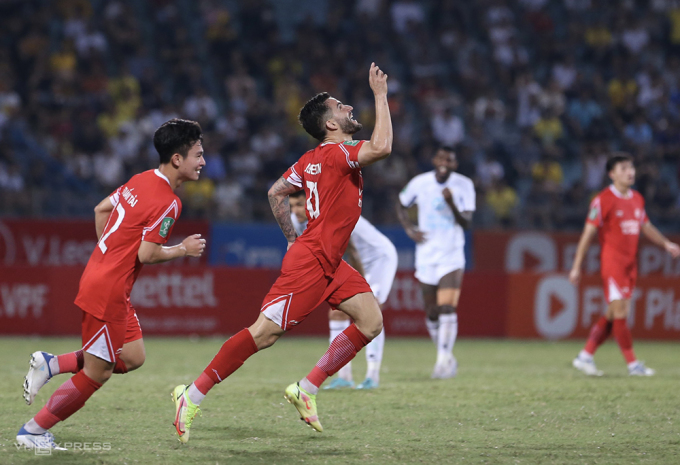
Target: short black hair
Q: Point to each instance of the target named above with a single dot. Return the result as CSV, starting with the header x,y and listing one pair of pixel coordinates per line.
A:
x,y
312,115
447,148
296,194
176,136
616,158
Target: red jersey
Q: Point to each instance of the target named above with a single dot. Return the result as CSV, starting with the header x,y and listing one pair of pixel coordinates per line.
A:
x,y
331,177
619,219
146,208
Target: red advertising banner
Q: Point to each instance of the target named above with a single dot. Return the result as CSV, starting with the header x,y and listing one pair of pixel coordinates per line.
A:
x,y
205,301
542,252
548,306
70,242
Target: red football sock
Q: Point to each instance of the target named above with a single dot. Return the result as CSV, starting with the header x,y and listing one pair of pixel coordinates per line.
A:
x,y
342,350
624,338
120,367
67,400
71,362
598,334
231,356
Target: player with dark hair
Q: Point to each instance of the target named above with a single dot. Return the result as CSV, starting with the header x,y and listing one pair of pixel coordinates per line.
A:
x,y
618,214
312,270
373,255
446,202
132,224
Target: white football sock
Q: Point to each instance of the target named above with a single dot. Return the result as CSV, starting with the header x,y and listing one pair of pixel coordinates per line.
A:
x,y
195,395
346,372
433,329
308,386
32,427
374,353
54,366
337,326
448,330
585,356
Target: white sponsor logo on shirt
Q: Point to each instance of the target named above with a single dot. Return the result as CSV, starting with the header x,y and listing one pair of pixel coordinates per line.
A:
x,y
313,169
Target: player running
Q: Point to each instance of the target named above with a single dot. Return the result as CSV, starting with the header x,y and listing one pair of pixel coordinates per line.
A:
x,y
312,270
618,213
375,258
132,225
446,202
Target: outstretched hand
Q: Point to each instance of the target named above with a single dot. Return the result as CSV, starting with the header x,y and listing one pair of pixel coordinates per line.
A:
x,y
377,80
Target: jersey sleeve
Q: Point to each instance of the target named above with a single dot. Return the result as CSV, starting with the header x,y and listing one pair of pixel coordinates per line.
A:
x,y
115,197
409,194
643,213
595,212
161,221
469,197
294,174
350,156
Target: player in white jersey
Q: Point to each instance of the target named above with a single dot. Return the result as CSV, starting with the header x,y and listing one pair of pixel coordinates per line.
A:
x,y
446,201
375,257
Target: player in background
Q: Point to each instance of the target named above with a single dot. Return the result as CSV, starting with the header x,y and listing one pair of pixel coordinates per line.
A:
x,y
312,270
446,202
618,214
132,224
375,258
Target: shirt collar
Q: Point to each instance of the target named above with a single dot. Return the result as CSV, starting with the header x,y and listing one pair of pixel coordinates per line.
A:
x,y
619,194
162,176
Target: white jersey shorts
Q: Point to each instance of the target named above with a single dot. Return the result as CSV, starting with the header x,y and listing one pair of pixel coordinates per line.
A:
x,y
432,274
379,275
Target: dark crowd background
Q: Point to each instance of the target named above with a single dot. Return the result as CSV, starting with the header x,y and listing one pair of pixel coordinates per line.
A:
x,y
533,94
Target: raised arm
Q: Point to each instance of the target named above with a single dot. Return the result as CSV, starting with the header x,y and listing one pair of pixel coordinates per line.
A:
x,y
654,235
380,144
587,235
278,201
101,215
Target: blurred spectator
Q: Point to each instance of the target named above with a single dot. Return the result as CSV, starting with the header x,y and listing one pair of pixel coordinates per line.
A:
x,y
447,127
503,201
534,93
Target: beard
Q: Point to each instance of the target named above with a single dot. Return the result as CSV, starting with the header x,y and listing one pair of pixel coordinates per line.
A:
x,y
350,126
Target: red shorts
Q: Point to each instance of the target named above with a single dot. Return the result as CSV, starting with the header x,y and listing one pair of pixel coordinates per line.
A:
x,y
303,285
618,281
105,339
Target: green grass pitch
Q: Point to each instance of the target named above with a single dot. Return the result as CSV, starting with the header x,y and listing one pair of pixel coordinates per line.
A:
x,y
512,402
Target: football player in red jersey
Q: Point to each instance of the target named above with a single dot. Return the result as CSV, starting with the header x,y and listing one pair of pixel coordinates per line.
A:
x,y
312,270
132,224
618,214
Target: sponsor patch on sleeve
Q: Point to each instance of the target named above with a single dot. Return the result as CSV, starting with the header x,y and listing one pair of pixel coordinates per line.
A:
x,y
351,142
166,224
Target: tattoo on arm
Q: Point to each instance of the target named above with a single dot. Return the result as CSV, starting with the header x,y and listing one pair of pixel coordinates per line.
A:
x,y
278,201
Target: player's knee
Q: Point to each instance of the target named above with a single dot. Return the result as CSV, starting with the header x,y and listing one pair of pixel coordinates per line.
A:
x,y
446,309
432,312
376,326
136,362
265,340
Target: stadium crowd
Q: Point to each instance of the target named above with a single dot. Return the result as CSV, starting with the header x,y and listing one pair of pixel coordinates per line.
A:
x,y
533,94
